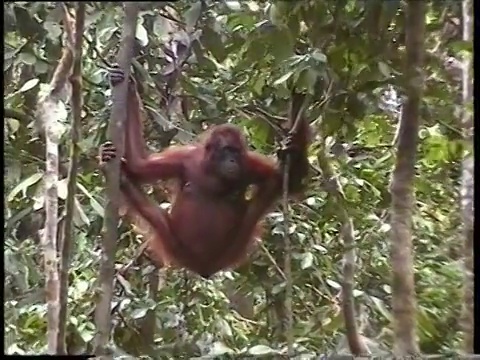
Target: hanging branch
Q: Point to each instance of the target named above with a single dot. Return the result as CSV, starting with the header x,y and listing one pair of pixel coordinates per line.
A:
x,y
51,115
287,268
355,341
112,171
68,233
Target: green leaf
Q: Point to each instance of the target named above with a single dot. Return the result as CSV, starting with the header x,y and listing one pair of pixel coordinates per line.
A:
x,y
14,125
15,349
256,51
283,78
81,286
385,228
53,29
24,185
213,42
319,56
62,190
142,35
278,288
192,14
334,284
10,54
320,248
307,80
275,15
105,34
426,323
219,348
333,323
357,293
79,216
461,48
41,67
27,58
223,328
38,202
259,84
380,305
161,28
384,69
233,5
280,45
125,285
93,202
260,350
86,334
139,313
307,260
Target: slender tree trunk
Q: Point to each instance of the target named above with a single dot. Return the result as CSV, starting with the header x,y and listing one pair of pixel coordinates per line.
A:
x,y
403,287
103,319
49,112
52,139
67,238
467,184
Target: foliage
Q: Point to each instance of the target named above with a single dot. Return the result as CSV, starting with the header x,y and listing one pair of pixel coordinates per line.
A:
x,y
349,56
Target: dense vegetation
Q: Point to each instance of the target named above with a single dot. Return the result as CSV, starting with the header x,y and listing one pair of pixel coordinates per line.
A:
x,y
237,63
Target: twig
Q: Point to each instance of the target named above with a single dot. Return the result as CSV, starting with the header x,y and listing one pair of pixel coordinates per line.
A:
x,y
272,260
139,252
96,51
271,120
298,117
17,115
170,17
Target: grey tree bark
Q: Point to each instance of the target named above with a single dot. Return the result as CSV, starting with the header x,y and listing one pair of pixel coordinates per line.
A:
x,y
466,191
401,187
117,119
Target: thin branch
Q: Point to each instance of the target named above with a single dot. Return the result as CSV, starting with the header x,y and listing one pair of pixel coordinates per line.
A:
x,y
96,51
286,223
170,17
287,259
355,341
68,234
17,115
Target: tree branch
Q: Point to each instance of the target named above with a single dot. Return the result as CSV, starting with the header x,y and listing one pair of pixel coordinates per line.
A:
x,y
116,132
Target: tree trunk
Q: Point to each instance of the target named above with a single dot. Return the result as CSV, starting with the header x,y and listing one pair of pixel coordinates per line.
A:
x,y
403,287
467,183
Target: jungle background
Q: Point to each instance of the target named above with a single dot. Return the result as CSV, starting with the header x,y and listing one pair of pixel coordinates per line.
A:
x,y
209,62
